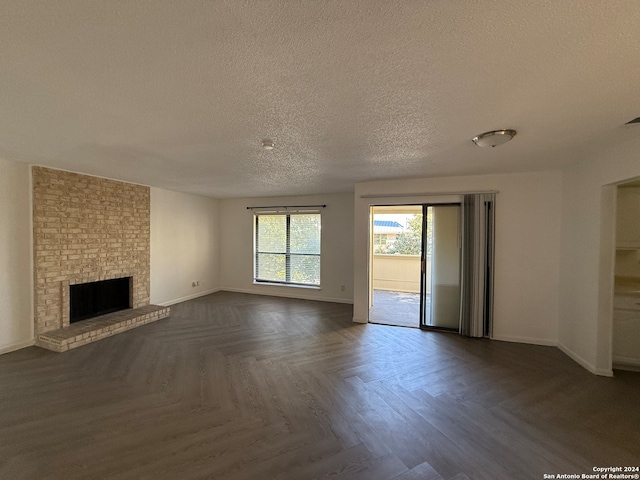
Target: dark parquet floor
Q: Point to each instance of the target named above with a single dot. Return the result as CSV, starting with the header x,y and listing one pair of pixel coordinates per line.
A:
x,y
235,386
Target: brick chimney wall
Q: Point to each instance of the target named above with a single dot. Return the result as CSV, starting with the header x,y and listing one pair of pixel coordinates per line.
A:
x,y
86,229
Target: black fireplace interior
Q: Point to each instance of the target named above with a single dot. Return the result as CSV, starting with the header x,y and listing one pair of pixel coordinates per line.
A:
x,y
89,300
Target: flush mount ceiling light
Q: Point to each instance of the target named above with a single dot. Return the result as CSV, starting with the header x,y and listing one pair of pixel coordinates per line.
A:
x,y
494,138
268,144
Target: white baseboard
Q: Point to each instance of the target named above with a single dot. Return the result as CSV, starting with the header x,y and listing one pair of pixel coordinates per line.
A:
x,y
360,320
188,297
531,341
17,346
287,294
626,360
630,367
582,362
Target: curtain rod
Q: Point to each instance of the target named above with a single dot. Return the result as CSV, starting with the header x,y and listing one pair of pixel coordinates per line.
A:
x,y
287,206
424,194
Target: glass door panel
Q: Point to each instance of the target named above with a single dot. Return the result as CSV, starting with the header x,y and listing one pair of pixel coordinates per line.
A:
x,y
395,273
441,267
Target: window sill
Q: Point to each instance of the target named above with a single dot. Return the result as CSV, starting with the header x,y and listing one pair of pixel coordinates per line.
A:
x,y
289,285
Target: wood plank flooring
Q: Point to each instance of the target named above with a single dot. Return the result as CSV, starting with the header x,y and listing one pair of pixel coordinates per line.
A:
x,y
236,386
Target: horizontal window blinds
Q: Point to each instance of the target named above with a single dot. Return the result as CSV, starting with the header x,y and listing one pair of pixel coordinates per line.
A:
x,y
287,248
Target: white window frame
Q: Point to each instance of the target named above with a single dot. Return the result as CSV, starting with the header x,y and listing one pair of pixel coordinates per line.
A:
x,y
287,253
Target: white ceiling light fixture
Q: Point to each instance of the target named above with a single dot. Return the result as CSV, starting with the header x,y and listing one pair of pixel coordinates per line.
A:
x,y
268,144
494,138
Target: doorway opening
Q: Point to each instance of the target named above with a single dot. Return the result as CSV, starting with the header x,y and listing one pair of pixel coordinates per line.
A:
x,y
415,266
395,265
625,344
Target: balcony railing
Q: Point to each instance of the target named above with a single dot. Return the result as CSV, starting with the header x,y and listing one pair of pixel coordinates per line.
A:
x,y
399,273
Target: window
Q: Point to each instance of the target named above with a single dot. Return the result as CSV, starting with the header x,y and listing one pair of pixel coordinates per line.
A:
x,y
287,248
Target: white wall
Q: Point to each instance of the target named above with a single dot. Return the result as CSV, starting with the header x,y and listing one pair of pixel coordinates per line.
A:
x,y
588,239
336,267
16,289
527,246
184,246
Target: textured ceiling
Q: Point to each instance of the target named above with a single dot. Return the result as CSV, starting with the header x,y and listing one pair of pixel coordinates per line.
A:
x,y
179,94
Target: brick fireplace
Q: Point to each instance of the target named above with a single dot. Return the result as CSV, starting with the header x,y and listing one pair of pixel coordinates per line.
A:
x,y
87,229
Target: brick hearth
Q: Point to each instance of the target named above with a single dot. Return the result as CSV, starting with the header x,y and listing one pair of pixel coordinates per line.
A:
x,y
97,328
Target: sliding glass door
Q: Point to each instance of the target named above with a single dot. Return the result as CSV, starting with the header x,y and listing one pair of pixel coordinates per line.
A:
x,y
431,265
440,283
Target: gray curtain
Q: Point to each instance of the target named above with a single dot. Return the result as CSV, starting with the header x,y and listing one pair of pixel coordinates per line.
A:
x,y
477,265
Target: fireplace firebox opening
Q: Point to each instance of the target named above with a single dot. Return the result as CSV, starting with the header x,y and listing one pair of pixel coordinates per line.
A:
x,y
88,300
